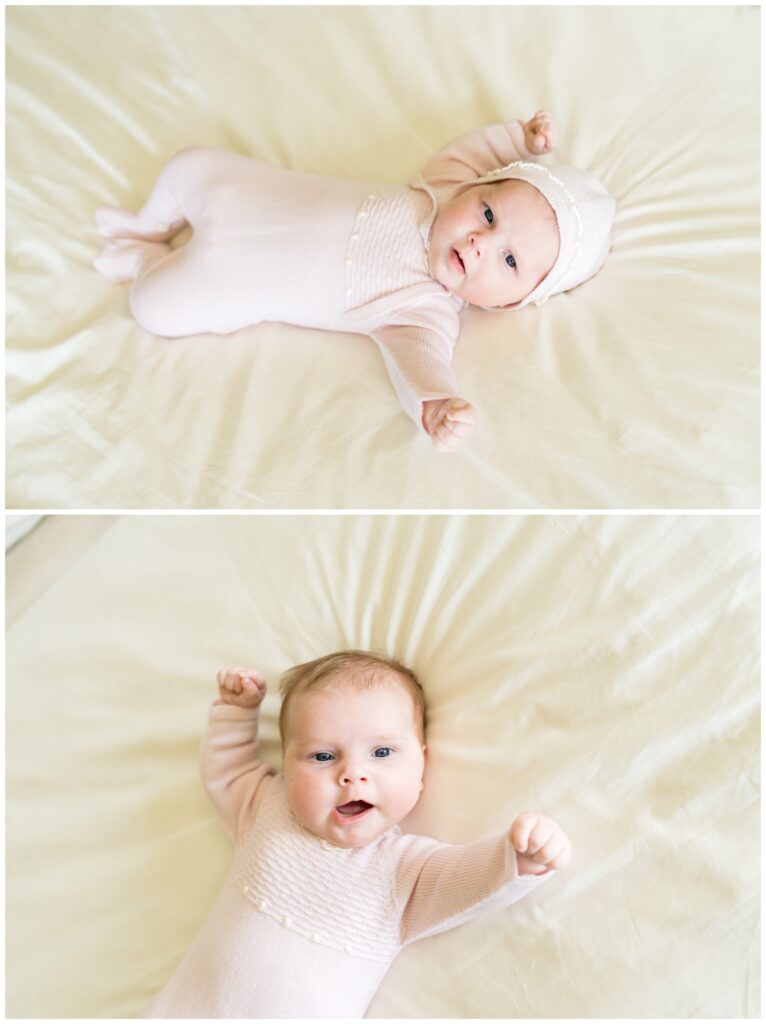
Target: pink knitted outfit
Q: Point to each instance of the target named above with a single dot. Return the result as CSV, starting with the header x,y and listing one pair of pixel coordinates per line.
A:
x,y
302,928
277,245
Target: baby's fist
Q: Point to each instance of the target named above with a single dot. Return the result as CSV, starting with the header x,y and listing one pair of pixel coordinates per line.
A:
x,y
540,133
539,843
243,687
449,422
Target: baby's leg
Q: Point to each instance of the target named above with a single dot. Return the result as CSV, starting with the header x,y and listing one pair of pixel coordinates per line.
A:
x,y
200,287
186,293
175,199
115,222
124,259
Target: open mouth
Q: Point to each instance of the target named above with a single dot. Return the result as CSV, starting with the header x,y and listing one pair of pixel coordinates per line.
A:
x,y
352,811
456,261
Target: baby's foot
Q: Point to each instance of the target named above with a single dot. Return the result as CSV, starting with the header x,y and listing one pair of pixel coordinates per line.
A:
x,y
123,259
449,422
114,222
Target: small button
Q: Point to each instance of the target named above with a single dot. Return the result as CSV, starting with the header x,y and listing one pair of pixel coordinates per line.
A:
x,y
246,889
286,921
348,948
316,937
262,904
355,235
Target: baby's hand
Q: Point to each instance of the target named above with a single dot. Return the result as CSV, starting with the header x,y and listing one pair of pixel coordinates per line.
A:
x,y
449,422
539,843
540,133
243,687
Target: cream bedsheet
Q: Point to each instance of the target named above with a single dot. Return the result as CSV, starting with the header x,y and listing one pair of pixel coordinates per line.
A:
x,y
604,670
638,390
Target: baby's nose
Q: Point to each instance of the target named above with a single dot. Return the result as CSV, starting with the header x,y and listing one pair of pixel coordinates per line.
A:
x,y
351,775
476,243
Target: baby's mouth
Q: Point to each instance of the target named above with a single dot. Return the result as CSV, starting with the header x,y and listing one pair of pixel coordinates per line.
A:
x,y
457,262
353,807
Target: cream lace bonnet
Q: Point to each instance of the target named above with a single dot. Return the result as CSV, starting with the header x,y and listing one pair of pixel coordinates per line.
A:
x,y
584,212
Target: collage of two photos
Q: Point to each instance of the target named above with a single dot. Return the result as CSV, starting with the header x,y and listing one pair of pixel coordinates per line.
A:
x,y
383,512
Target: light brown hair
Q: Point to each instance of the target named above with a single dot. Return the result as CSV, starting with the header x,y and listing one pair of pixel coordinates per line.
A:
x,y
363,668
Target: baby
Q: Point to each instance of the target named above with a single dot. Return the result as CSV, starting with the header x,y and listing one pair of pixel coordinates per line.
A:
x,y
325,889
483,224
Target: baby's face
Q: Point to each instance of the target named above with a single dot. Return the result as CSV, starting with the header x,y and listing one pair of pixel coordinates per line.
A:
x,y
493,244
353,761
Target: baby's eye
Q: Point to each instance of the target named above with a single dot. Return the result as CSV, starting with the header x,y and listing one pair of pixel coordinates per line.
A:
x,y
488,214
322,757
382,752
510,260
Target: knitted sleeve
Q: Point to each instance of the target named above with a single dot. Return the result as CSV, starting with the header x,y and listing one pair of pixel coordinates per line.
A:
x,y
232,775
443,886
419,362
477,153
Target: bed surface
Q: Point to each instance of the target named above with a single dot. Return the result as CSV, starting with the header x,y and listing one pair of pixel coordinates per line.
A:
x,y
602,670
639,389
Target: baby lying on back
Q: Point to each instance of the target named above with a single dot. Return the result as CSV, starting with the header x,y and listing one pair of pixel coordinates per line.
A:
x,y
324,889
483,224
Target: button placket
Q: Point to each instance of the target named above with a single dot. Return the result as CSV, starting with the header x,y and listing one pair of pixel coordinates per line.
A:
x,y
352,256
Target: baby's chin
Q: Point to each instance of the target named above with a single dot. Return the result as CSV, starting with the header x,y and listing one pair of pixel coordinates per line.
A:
x,y
479,299
347,838
460,292
352,841
353,844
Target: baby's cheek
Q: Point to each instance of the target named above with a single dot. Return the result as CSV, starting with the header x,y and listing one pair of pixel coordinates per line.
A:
x,y
408,793
305,799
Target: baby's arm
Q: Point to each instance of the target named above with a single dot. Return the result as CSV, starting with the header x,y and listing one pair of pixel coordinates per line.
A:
x,y
418,358
478,152
233,776
445,886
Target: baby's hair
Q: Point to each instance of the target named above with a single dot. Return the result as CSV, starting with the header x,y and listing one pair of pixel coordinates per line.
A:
x,y
363,668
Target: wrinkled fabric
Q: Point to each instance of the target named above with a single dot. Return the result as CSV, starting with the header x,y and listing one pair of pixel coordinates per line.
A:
x,y
602,670
638,389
